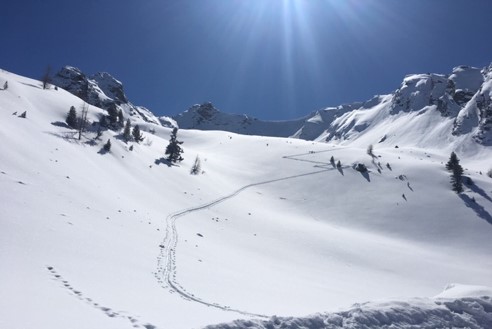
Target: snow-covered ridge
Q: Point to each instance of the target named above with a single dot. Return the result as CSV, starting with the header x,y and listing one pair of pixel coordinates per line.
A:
x,y
426,109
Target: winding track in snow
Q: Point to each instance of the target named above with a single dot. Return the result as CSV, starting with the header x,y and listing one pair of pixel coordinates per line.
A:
x,y
166,260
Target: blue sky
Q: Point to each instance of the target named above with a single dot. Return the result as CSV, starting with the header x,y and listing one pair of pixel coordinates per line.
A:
x,y
272,59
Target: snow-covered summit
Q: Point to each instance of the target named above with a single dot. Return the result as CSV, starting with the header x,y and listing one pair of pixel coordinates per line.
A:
x,y
206,117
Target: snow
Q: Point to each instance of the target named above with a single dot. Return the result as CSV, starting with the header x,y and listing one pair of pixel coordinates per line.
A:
x,y
467,78
122,240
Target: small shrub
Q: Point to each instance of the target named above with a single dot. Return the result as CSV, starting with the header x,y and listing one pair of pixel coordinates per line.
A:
x,y
107,146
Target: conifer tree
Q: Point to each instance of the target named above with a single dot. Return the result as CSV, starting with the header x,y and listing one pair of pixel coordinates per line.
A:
x,y
127,131
71,119
339,164
174,149
457,179
332,160
112,114
453,161
5,85
454,166
137,135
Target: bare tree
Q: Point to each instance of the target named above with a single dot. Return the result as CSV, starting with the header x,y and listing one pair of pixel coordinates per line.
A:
x,y
197,166
46,79
83,119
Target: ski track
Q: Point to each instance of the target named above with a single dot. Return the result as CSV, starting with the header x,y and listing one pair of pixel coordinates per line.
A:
x,y
166,260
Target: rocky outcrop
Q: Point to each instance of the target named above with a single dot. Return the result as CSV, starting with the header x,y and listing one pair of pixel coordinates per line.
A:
x,y
101,90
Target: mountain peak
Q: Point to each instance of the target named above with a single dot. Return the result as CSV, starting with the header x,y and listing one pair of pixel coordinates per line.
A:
x,y
101,90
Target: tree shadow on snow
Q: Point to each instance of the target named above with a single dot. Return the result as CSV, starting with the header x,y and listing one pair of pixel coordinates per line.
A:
x,y
340,169
61,124
478,209
478,190
102,151
164,161
31,85
365,174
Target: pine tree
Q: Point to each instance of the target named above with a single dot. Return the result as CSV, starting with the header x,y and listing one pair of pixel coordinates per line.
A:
x,y
71,119
332,160
127,131
457,179
453,161
137,135
121,119
454,166
196,168
339,164
113,114
174,149
107,146
5,85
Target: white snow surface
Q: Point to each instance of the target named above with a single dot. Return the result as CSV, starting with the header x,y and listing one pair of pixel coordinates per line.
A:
x,y
119,240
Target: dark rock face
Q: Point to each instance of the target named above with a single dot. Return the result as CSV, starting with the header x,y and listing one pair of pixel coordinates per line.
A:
x,y
72,80
101,90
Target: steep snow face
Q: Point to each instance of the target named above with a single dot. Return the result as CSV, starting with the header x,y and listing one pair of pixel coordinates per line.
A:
x,y
101,90
467,81
111,87
318,122
420,90
476,116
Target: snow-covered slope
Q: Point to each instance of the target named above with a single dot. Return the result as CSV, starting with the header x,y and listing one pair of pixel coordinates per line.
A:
x,y
91,239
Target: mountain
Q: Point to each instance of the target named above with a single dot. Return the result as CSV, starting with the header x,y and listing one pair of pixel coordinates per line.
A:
x,y
454,107
270,230
104,91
